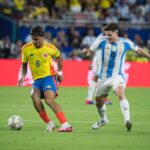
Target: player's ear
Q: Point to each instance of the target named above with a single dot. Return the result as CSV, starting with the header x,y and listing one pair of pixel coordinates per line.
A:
x,y
116,31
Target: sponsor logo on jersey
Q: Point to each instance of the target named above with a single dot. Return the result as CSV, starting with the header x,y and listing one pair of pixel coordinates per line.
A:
x,y
114,48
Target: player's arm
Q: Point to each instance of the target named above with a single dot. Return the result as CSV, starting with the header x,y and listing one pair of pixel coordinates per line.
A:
x,y
60,63
59,73
87,51
58,56
143,53
93,47
140,51
23,67
23,74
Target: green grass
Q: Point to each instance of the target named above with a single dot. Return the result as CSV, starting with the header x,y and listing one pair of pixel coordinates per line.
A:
x,y
114,136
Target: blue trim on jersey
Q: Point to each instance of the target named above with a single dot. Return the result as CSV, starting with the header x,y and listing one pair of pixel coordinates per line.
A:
x,y
112,58
126,47
102,46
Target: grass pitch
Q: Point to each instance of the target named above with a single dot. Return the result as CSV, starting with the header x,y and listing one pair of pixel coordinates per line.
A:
x,y
16,101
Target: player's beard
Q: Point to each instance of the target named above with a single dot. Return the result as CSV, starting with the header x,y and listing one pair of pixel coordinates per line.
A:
x,y
38,45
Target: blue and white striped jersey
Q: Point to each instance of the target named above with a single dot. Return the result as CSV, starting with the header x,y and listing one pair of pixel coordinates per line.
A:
x,y
111,56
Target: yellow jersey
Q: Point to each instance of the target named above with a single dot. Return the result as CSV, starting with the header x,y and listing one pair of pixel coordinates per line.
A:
x,y
40,59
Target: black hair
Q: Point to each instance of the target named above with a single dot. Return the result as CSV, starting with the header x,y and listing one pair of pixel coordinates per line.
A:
x,y
37,31
111,27
103,24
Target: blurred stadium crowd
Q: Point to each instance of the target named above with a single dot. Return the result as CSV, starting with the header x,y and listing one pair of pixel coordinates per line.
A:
x,y
137,11
72,41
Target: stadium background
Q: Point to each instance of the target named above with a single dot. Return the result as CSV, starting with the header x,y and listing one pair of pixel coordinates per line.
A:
x,y
72,25
67,23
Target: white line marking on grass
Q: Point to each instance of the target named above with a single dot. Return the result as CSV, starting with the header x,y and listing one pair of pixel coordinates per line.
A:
x,y
87,122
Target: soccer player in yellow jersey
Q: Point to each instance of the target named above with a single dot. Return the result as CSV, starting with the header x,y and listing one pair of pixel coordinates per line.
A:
x,y
39,54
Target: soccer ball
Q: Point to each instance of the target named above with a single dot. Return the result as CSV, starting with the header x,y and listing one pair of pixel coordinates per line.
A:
x,y
15,122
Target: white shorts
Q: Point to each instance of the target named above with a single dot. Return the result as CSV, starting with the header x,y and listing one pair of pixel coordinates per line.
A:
x,y
104,85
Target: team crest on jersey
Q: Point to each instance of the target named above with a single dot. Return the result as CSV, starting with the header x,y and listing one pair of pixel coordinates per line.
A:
x,y
114,48
45,55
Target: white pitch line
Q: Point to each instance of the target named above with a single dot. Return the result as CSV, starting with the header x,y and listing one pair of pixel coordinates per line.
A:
x,y
86,122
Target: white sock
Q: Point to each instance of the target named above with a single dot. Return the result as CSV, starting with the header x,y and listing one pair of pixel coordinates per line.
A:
x,y
65,124
91,90
102,113
50,123
124,105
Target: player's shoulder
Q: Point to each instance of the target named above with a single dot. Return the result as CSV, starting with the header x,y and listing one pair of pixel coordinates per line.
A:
x,y
124,39
101,39
49,45
27,45
101,36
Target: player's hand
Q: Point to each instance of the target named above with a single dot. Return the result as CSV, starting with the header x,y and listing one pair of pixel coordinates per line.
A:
x,y
59,78
20,82
86,52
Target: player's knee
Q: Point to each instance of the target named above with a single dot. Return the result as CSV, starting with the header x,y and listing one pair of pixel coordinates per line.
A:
x,y
35,97
99,102
120,96
49,101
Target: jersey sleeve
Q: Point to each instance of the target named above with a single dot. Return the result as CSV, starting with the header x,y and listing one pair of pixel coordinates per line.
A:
x,y
24,56
56,52
96,43
131,45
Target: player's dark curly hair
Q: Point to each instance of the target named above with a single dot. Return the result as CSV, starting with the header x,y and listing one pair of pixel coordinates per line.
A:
x,y
111,27
37,31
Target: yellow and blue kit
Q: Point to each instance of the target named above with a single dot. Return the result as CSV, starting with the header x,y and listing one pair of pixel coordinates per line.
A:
x,y
40,62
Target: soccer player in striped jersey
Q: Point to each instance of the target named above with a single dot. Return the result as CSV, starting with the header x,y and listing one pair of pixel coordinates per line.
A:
x,y
38,54
111,57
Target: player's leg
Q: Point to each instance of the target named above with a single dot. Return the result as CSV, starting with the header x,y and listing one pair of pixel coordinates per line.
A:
x,y
91,92
105,97
35,95
124,104
95,70
106,100
100,104
91,88
50,101
101,108
50,90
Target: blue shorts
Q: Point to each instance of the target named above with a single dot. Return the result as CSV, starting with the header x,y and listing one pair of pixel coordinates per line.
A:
x,y
46,83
